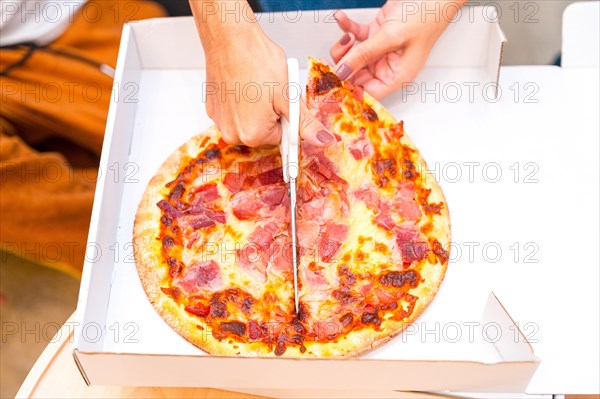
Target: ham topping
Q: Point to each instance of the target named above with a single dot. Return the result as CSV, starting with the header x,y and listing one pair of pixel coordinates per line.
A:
x,y
327,329
312,277
274,195
169,209
321,170
233,182
253,261
361,147
198,215
325,106
405,203
313,210
411,247
250,204
331,239
281,256
369,196
308,232
384,217
205,193
255,255
205,275
263,236
271,176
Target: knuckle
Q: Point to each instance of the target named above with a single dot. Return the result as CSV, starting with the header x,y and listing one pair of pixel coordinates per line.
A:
x,y
365,55
228,137
228,134
250,136
389,34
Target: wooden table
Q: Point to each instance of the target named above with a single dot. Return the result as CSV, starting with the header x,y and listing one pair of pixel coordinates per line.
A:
x,y
55,375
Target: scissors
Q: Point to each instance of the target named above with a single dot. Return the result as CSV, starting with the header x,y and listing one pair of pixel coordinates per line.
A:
x,y
289,148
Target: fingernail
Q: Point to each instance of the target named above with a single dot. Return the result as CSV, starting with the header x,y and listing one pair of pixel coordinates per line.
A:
x,y
325,137
345,39
344,71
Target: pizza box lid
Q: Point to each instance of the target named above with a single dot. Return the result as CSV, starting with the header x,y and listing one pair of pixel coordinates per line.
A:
x,y
157,105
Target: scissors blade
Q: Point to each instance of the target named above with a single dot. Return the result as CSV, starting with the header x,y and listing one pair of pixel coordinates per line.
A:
x,y
292,192
290,148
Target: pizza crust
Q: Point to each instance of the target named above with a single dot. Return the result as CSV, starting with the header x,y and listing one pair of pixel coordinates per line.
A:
x,y
153,271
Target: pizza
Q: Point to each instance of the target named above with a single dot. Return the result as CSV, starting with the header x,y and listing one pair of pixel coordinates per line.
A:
x,y
212,241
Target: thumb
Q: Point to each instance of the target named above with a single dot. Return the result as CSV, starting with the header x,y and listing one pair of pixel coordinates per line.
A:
x,y
365,53
312,130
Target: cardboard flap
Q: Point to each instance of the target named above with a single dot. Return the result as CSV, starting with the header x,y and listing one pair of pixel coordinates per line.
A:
x,y
581,35
500,329
99,261
496,42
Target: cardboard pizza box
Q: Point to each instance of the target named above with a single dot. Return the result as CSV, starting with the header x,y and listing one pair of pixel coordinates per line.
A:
x,y
158,105
506,367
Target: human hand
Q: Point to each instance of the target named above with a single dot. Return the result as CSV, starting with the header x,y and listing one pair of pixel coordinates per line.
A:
x,y
247,76
393,48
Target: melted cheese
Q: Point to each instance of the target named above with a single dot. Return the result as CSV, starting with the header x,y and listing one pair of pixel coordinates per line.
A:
x,y
368,249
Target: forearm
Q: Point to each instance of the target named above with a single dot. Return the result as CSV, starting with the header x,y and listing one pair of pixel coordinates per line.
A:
x,y
434,16
451,7
220,22
447,9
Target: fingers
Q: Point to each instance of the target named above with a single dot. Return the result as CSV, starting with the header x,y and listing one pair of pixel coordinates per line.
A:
x,y
273,136
258,129
250,137
247,126
361,77
365,53
341,47
228,134
360,31
391,73
312,130
378,88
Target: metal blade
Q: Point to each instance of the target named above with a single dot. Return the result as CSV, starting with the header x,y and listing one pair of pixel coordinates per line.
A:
x,y
292,193
290,148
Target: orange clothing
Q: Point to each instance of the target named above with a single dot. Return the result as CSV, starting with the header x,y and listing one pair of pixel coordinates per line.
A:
x,y
52,119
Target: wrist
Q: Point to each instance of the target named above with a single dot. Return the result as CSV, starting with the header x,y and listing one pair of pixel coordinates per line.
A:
x,y
222,23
